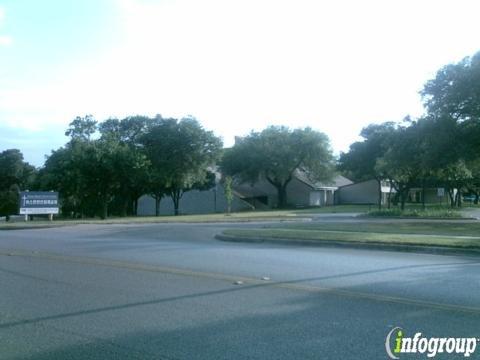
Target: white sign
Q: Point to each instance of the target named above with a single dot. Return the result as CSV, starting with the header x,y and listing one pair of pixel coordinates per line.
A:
x,y
38,202
440,192
39,211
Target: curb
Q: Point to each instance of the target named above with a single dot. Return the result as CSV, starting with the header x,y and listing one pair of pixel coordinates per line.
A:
x,y
435,250
470,218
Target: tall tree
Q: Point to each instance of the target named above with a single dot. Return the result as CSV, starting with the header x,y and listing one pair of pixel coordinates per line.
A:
x,y
360,162
82,128
15,175
402,162
130,162
180,153
276,153
455,90
455,93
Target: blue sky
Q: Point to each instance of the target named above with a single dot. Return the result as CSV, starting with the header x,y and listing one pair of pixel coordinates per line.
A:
x,y
236,65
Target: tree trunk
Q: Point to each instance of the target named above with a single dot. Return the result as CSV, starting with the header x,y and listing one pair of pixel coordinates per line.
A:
x,y
126,201
403,199
282,196
135,206
157,198
389,200
176,195
379,194
104,214
176,202
423,194
450,195
459,199
476,198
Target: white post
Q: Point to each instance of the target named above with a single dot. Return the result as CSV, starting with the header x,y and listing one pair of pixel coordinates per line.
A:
x,y
50,217
26,217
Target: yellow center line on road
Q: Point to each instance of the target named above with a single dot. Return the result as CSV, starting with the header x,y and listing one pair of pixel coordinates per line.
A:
x,y
253,282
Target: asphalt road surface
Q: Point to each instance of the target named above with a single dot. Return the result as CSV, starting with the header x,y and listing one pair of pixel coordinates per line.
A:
x,y
169,291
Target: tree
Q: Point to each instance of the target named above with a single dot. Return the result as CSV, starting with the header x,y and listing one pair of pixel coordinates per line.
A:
x,y
455,93
228,192
473,185
402,163
82,128
100,176
15,175
275,154
455,90
180,153
360,163
130,163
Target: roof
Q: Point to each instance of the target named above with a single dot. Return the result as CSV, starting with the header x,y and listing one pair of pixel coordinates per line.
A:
x,y
336,182
249,191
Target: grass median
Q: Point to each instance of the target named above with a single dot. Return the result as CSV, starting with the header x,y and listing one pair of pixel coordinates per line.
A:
x,y
211,218
246,216
360,237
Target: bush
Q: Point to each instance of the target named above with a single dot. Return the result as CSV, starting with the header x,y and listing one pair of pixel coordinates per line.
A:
x,y
416,213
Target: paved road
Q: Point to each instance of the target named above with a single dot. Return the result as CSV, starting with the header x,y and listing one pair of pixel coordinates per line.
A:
x,y
167,292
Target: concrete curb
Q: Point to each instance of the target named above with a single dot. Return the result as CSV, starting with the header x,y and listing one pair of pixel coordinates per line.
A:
x,y
436,250
470,218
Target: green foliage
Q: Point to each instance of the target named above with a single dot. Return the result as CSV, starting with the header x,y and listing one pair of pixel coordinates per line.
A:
x,y
91,175
360,162
228,192
416,213
82,128
180,153
15,175
455,91
276,153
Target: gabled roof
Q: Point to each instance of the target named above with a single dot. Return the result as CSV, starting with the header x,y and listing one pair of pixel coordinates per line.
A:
x,y
336,182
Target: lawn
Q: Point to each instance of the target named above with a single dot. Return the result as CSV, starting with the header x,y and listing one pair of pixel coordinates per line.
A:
x,y
464,242
271,215
237,217
464,228
433,233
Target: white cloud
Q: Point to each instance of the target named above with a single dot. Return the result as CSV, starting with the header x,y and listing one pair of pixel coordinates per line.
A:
x,y
5,40
241,65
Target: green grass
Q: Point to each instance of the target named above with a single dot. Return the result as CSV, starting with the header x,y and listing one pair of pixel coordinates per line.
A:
x,y
337,209
270,215
464,242
464,234
443,213
234,217
467,228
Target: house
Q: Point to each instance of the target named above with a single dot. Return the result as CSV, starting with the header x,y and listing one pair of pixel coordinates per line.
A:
x,y
364,192
195,202
367,192
432,195
301,192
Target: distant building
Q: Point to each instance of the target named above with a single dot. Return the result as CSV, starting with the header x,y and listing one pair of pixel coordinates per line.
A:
x,y
194,202
367,192
301,192
364,192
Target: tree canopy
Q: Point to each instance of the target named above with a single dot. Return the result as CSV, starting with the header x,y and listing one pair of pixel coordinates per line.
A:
x,y
275,153
15,175
181,154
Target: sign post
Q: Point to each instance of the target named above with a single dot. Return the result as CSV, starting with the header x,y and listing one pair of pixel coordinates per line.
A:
x,y
38,202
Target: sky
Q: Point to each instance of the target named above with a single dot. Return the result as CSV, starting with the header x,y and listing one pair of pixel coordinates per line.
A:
x,y
237,66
